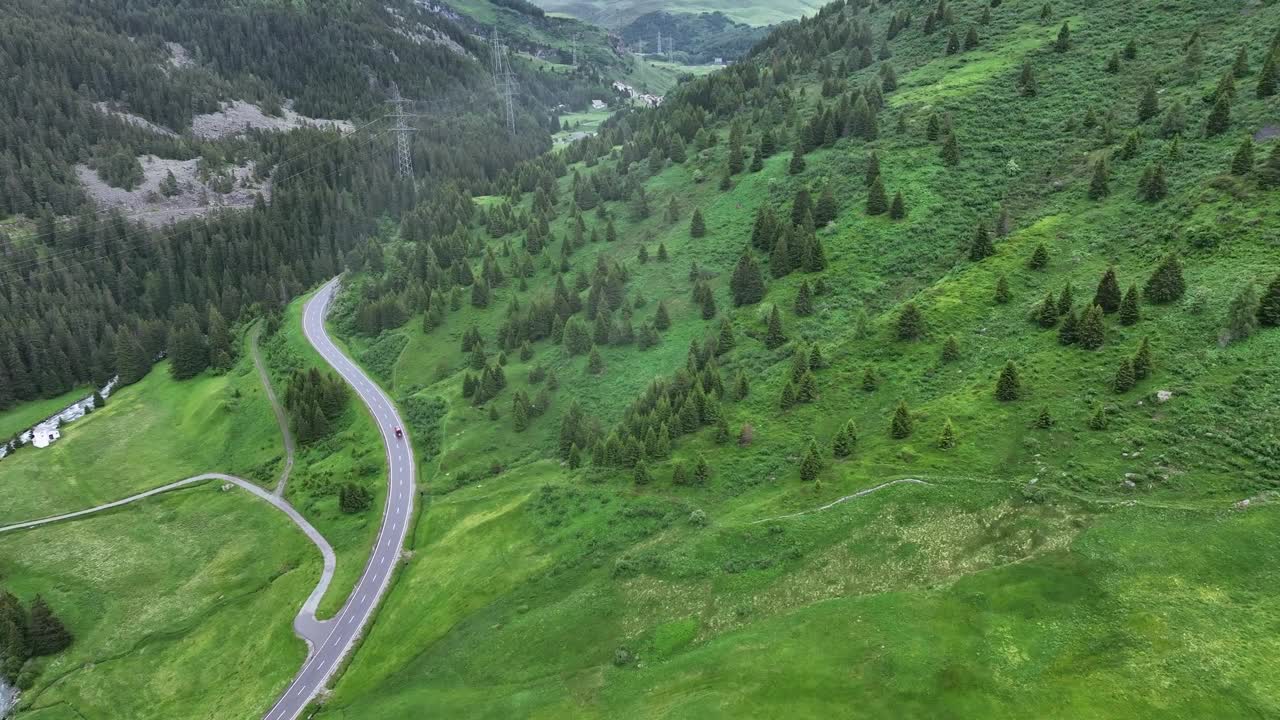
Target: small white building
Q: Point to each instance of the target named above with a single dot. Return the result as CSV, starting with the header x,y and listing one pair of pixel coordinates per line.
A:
x,y
599,105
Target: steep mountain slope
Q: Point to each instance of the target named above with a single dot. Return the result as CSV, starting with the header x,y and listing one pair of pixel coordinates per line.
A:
x,y
615,14
658,371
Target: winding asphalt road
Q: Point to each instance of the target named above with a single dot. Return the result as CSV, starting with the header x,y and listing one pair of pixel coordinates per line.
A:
x,y
345,628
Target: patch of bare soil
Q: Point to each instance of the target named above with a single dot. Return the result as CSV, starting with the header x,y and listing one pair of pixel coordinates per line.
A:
x,y
238,116
194,198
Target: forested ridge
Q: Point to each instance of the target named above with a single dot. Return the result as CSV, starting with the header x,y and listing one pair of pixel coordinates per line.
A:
x,y
90,293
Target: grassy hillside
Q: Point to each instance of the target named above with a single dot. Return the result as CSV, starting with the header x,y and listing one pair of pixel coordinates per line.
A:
x,y
1079,536
171,602
151,433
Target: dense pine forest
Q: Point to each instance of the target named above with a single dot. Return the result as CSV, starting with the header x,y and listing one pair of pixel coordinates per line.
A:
x,y
89,293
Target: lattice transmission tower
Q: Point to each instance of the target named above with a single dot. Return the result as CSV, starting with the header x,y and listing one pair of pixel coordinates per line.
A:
x,y
403,131
504,80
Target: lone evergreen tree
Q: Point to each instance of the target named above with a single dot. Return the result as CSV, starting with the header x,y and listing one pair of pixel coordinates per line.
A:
x,y
1130,313
869,381
1108,295
1098,185
640,474
804,300
697,226
1242,161
1044,420
947,440
1149,105
950,350
811,463
661,318
845,440
950,151
910,322
1009,385
1220,117
775,337
981,247
901,426
1063,43
1242,315
1152,186
898,208
595,363
1123,381
1027,86
1142,361
1098,421
1269,305
747,282
877,202
1166,284
1267,79
1039,259
1002,290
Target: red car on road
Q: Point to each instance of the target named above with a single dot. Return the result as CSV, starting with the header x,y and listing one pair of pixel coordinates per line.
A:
x,y
399,433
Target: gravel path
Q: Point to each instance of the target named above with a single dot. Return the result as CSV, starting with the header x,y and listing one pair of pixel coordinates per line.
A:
x,y
837,501
281,418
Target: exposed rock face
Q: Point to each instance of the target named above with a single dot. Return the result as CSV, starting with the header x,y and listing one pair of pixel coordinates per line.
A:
x,y
8,698
238,116
194,198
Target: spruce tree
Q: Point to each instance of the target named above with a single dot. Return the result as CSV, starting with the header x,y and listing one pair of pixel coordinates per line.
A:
x,y
825,211
1063,43
1108,295
1009,385
678,475
1092,332
910,325
640,474
1166,284
1242,161
811,463
845,440
1047,314
1066,299
1220,117
661,318
873,169
953,43
595,363
804,300
1039,259
1142,361
1027,86
725,341
1269,174
1242,315
701,472
869,380
950,350
1269,305
1044,420
1123,381
877,201
1068,332
1098,185
1149,105
1267,79
99,402
46,633
697,226
1152,186
971,38
775,337
898,208
947,440
747,283
981,247
1098,421
950,151
1002,295
797,161
1130,313
902,424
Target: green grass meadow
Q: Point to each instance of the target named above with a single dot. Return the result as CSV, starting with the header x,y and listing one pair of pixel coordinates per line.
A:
x,y
1040,572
